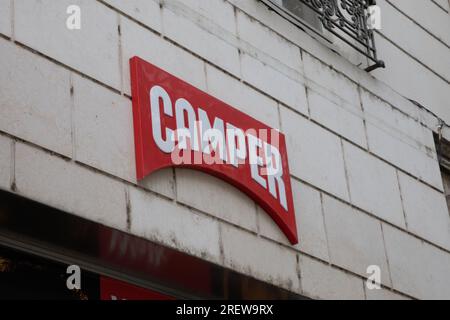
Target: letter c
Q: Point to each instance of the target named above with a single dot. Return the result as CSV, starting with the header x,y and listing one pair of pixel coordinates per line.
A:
x,y
157,93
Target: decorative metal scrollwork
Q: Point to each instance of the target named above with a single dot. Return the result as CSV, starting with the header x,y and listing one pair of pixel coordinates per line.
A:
x,y
347,20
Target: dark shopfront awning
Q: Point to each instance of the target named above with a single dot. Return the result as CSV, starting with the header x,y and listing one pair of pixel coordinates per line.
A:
x,y
41,232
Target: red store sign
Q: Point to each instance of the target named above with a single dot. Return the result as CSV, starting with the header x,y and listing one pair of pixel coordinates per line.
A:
x,y
178,125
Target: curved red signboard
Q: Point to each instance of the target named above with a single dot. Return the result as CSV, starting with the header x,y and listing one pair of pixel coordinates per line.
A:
x,y
178,125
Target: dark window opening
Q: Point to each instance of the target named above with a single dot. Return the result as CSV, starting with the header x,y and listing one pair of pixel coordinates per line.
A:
x,y
28,277
302,11
443,153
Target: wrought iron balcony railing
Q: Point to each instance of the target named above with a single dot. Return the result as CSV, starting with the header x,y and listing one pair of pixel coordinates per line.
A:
x,y
345,19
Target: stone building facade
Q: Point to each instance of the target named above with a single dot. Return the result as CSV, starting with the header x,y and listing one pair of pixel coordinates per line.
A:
x,y
362,147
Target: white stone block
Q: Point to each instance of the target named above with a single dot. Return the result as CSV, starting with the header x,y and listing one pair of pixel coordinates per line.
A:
x,y
201,41
343,118
444,4
404,126
322,281
405,155
268,42
220,12
242,97
309,218
69,187
428,15
260,258
266,78
426,211
401,140
5,17
93,49
216,197
137,41
418,269
315,155
34,99
431,52
166,222
422,85
355,239
161,181
147,12
5,162
327,78
383,294
373,185
103,129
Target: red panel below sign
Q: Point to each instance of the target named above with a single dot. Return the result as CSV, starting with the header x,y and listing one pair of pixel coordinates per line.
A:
x,y
112,289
